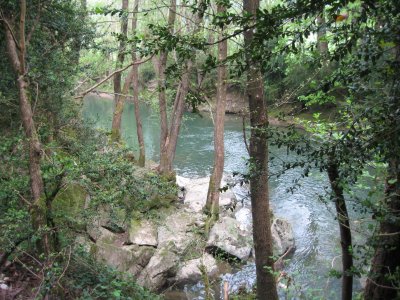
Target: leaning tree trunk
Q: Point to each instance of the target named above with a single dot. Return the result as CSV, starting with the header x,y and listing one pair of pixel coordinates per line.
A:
x,y
135,85
162,64
119,108
167,154
212,204
266,285
344,227
121,51
17,55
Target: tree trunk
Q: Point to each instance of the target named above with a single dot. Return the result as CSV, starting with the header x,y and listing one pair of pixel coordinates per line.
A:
x,y
345,232
168,148
122,95
322,43
212,204
17,58
121,51
163,167
266,285
119,108
135,85
386,260
177,114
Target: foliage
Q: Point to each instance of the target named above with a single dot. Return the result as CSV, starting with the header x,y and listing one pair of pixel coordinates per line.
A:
x,y
91,280
358,77
14,216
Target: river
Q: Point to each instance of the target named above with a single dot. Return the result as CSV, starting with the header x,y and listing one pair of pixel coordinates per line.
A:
x,y
315,228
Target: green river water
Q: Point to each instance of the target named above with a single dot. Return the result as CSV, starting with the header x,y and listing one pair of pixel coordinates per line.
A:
x,y
313,222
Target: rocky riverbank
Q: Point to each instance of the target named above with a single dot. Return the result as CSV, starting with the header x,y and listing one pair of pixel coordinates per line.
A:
x,y
169,247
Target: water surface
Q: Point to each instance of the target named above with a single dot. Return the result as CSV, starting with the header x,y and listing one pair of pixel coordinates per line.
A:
x,y
315,228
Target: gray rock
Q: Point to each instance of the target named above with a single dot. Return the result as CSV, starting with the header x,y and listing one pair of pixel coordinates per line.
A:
x,y
161,266
196,192
84,242
126,258
282,235
176,232
190,270
227,235
244,217
143,233
107,217
143,254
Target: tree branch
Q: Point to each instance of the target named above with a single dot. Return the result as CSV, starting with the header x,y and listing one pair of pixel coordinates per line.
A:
x,y
9,29
111,75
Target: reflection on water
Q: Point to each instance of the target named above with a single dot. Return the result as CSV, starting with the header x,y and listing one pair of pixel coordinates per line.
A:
x,y
315,229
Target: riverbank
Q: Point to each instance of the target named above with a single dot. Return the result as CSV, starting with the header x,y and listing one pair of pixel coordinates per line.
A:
x,y
315,229
235,106
170,249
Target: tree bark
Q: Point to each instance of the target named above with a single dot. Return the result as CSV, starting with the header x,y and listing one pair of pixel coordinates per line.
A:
x,y
266,285
135,85
168,148
322,43
121,51
212,204
386,259
17,55
345,232
162,64
119,108
121,97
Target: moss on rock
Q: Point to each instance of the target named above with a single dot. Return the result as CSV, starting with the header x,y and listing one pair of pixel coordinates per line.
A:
x,y
68,205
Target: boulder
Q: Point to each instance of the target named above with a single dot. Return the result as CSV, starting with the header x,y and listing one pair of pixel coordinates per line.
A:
x,y
227,236
160,268
177,231
190,270
196,192
244,217
234,236
109,249
68,205
282,235
143,233
143,254
111,218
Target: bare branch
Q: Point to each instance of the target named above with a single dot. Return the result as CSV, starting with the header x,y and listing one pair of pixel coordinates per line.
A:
x,y
111,75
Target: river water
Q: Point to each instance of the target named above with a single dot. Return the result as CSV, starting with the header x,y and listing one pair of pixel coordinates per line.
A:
x,y
315,228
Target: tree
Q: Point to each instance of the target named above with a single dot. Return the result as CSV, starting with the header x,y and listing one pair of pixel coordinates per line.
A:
x,y
345,230
383,280
262,237
132,78
135,85
119,98
169,136
17,52
322,43
162,64
212,204
121,50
